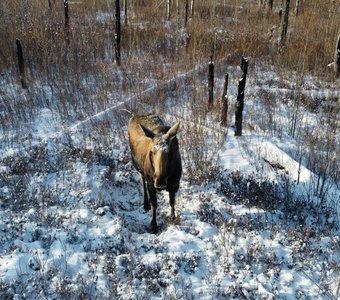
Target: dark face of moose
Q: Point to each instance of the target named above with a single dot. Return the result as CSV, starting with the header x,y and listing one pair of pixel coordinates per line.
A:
x,y
159,154
159,160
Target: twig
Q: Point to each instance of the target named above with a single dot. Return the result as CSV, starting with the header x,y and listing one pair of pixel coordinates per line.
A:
x,y
330,296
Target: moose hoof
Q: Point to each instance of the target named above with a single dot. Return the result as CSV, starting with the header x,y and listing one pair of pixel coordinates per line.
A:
x,y
154,228
173,215
147,206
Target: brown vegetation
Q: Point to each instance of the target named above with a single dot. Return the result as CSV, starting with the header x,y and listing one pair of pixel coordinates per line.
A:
x,y
222,28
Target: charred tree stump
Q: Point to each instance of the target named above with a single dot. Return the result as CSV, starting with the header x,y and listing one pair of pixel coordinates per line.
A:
x,y
280,13
240,98
211,84
224,102
280,10
284,24
21,65
118,33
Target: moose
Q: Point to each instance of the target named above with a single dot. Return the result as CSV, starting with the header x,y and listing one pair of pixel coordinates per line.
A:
x,y
155,155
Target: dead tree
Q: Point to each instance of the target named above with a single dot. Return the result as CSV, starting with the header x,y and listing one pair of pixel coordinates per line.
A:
x,y
49,4
66,13
192,8
337,58
67,22
21,65
125,12
168,9
118,34
211,84
270,4
224,102
266,4
186,8
281,9
284,24
281,4
298,7
240,98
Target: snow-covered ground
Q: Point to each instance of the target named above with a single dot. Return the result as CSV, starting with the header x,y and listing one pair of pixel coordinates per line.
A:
x,y
72,223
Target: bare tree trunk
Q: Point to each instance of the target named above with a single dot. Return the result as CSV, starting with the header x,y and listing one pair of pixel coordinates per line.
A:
x,y
240,98
298,7
236,8
296,113
270,4
213,10
67,27
21,65
192,8
299,170
211,84
186,8
337,58
281,9
118,33
266,4
263,4
49,4
66,13
168,9
224,103
125,12
284,24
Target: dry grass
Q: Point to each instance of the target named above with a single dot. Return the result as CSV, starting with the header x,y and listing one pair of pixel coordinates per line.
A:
x,y
227,29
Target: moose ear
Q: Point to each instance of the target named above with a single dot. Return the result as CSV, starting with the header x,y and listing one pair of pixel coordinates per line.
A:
x,y
148,133
172,131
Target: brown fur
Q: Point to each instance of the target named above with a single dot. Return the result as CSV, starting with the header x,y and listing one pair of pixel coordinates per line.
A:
x,y
155,154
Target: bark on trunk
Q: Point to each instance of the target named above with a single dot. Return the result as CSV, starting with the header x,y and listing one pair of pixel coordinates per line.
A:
x,y
240,98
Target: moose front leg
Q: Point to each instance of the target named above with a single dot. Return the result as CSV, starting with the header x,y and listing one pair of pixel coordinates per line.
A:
x,y
146,198
153,202
172,204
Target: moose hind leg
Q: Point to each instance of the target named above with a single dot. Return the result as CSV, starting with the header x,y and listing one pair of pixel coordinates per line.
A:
x,y
146,197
